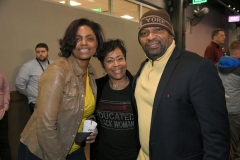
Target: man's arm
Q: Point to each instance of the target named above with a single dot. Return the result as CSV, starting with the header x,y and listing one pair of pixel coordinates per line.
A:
x,y
22,79
208,98
210,54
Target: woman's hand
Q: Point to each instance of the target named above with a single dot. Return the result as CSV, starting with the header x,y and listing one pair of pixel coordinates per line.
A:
x,y
92,137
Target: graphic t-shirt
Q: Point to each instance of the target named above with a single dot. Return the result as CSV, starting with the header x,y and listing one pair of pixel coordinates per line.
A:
x,y
116,137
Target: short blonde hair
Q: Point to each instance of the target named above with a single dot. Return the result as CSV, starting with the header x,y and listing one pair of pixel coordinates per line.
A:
x,y
235,45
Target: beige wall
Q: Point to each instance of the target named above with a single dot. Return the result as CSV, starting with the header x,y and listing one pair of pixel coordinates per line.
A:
x,y
24,23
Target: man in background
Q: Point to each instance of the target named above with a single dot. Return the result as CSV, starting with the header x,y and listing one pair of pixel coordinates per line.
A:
x,y
179,98
228,51
5,153
229,72
27,78
214,50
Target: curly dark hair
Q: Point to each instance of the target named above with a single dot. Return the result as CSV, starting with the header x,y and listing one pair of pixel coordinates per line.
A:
x,y
69,41
110,46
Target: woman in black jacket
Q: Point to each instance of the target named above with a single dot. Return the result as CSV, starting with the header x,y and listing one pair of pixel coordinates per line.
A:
x,y
116,118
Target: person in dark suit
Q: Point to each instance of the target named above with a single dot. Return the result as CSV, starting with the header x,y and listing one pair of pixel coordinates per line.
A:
x,y
179,98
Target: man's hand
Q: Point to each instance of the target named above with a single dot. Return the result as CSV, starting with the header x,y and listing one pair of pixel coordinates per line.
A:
x,y
92,137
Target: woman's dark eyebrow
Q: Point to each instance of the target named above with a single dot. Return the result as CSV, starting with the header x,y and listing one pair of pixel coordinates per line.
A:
x,y
85,36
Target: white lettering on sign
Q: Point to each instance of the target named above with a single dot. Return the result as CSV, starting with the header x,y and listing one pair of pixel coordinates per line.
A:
x,y
233,18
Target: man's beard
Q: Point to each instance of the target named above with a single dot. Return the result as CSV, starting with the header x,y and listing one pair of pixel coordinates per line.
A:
x,y
153,55
42,60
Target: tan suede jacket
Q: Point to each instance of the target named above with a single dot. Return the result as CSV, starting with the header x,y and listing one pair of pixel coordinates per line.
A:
x,y
51,130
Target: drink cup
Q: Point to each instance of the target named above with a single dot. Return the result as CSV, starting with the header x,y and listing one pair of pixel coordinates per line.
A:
x,y
89,126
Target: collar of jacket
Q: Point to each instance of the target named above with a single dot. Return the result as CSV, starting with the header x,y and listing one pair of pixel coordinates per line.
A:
x,y
78,71
176,53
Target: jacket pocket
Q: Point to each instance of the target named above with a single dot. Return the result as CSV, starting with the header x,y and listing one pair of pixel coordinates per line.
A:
x,y
195,155
71,90
70,96
171,97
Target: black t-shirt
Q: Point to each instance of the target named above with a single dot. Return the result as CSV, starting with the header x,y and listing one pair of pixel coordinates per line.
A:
x,y
117,140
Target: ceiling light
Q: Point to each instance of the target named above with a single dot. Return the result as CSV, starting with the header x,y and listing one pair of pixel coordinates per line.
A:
x,y
229,5
72,3
237,10
233,8
127,17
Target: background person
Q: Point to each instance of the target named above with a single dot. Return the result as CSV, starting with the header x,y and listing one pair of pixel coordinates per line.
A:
x,y
179,98
27,78
228,52
214,50
229,72
5,153
117,137
67,93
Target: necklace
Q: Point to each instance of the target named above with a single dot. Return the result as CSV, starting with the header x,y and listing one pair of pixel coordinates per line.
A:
x,y
116,87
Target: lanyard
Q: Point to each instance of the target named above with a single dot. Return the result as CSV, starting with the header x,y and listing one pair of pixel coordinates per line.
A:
x,y
41,65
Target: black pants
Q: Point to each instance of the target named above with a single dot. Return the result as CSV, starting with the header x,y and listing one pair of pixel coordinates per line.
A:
x,y
25,154
234,123
5,153
31,106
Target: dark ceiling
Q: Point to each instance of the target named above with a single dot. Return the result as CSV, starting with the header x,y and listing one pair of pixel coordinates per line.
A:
x,y
221,6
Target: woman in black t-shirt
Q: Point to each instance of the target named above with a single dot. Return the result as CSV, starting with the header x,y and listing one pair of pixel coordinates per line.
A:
x,y
118,135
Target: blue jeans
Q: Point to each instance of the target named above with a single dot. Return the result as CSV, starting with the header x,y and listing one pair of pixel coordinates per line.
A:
x,y
25,154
